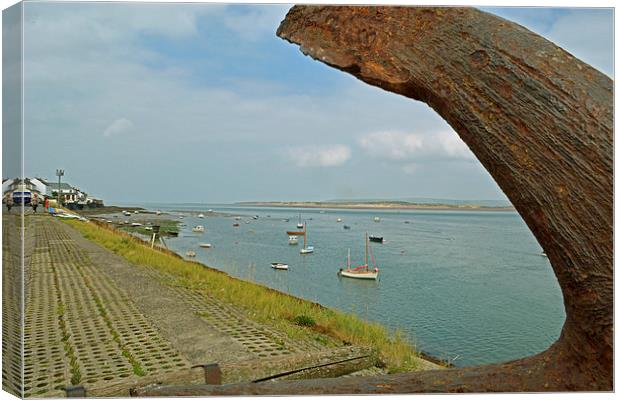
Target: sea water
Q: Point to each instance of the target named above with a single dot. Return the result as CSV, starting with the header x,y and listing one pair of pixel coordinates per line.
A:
x,y
470,287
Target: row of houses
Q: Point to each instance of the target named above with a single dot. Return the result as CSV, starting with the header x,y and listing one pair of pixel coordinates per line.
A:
x,y
43,188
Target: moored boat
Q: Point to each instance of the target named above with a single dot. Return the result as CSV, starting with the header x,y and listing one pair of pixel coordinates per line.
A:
x,y
292,240
201,215
235,225
278,265
190,254
205,245
376,219
306,249
198,228
362,271
299,224
378,239
339,220
346,227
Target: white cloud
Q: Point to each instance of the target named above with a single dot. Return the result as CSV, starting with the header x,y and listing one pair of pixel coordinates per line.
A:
x,y
117,127
320,156
399,146
254,24
588,35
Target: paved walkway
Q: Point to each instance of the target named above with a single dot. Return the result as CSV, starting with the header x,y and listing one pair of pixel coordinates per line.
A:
x,y
94,319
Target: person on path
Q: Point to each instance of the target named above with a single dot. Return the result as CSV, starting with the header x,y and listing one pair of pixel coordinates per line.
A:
x,y
34,203
9,202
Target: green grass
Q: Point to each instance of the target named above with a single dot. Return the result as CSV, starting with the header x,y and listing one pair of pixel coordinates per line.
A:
x,y
166,228
262,304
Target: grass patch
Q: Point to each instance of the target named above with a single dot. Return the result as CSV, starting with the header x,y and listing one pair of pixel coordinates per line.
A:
x,y
135,364
261,303
166,228
74,366
304,320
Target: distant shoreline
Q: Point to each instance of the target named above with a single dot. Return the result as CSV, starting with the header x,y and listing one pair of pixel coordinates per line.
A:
x,y
374,205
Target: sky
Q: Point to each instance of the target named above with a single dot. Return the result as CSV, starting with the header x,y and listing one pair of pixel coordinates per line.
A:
x,y
147,102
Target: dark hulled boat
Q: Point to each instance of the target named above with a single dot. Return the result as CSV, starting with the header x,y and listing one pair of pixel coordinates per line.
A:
x,y
378,239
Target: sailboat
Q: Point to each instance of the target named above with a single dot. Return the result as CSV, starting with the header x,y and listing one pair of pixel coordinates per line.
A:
x,y
362,271
299,224
306,249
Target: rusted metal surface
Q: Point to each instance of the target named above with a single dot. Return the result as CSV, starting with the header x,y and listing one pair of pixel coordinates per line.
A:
x,y
213,373
540,121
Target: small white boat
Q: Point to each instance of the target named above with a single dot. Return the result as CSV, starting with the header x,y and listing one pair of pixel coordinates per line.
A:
x,y
136,224
158,212
339,220
210,210
277,265
190,254
306,249
198,228
180,217
201,215
376,219
292,240
543,254
360,274
362,271
148,228
299,224
205,245
136,211
126,213
247,222
238,218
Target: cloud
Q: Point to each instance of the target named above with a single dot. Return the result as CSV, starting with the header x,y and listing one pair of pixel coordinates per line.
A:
x,y
117,127
586,33
253,23
320,156
399,146
227,92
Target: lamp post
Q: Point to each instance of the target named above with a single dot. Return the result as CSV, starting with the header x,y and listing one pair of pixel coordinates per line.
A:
x,y
59,174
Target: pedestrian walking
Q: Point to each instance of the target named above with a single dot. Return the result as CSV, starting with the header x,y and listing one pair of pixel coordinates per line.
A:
x,y
9,203
34,203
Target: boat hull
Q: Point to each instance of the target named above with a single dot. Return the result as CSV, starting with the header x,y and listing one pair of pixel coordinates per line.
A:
x,y
279,266
370,275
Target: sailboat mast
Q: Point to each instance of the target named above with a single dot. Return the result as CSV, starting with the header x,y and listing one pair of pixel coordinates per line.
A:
x,y
366,251
349,259
305,235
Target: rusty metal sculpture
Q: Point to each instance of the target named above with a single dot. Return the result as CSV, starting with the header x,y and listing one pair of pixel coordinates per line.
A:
x,y
540,121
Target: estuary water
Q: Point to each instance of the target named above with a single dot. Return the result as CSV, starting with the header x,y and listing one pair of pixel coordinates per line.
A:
x,y
467,286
